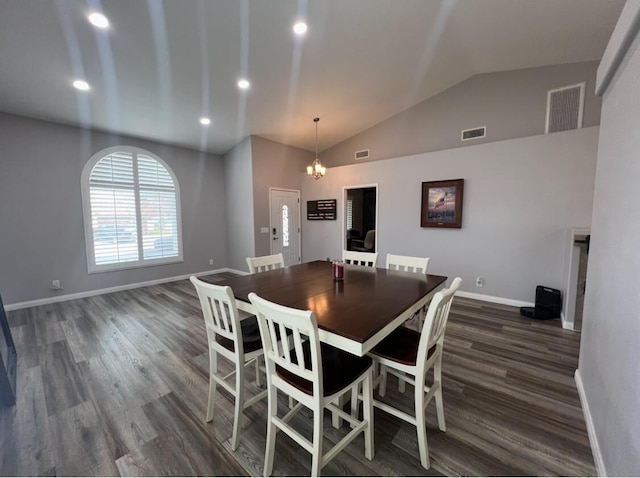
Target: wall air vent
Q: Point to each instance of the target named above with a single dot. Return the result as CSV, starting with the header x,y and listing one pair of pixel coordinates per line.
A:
x,y
565,108
473,133
362,154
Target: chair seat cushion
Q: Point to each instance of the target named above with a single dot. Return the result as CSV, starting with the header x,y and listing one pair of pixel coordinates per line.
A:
x,y
250,336
401,346
339,369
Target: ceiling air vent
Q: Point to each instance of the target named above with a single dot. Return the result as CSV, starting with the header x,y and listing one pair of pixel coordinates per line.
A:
x,y
564,108
474,133
362,154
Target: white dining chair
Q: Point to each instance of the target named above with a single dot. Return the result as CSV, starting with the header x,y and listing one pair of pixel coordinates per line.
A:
x,y
366,259
416,265
409,355
407,263
235,340
315,375
265,263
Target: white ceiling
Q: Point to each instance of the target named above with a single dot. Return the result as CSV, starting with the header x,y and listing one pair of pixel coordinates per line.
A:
x,y
162,65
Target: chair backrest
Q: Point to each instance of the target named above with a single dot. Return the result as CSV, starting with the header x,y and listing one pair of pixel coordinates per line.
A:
x,y
407,263
367,259
265,263
220,313
370,240
274,321
436,321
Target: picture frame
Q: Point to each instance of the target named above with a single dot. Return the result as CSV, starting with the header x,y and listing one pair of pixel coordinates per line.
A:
x,y
442,204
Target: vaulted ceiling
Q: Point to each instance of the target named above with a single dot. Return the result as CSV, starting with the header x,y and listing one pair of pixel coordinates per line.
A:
x,y
160,66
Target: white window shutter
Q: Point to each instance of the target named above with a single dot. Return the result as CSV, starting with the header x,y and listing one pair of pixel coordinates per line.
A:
x,y
349,214
132,217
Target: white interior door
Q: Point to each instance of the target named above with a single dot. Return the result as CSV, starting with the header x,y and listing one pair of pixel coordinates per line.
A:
x,y
285,224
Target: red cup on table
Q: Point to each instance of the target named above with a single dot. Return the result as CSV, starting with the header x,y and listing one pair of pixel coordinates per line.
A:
x,y
338,270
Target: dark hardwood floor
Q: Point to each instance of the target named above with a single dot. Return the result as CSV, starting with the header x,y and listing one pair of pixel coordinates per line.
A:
x,y
117,385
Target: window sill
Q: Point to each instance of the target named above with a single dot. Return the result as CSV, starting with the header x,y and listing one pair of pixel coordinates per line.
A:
x,y
93,269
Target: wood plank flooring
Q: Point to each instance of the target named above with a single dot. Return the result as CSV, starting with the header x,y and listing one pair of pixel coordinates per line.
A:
x,y
117,385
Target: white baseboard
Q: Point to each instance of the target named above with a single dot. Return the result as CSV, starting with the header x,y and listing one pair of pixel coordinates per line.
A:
x,y
108,290
236,271
494,299
565,324
593,439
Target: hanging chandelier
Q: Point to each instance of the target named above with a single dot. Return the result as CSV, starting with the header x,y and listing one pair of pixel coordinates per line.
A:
x,y
316,170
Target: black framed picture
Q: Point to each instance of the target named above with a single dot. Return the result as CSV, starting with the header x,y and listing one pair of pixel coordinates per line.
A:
x,y
442,203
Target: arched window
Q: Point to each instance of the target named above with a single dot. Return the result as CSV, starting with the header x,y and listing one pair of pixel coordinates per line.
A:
x,y
131,204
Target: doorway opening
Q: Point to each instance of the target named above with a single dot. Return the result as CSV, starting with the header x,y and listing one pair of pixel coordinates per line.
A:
x,y
361,218
577,253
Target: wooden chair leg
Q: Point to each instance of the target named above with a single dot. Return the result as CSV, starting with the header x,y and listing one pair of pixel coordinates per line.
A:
x,y
437,379
317,441
258,374
383,381
237,418
367,415
339,402
213,369
421,424
271,431
354,401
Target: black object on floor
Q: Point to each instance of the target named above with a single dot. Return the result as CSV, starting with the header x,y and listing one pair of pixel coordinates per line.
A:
x,y
548,304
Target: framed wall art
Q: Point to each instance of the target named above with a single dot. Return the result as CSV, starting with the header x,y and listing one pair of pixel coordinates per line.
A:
x,y
442,203
322,210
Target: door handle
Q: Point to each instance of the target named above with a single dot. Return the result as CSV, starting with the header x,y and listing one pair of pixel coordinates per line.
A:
x,y
275,238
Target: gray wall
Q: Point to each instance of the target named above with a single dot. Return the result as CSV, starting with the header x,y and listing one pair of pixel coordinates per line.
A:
x,y
520,196
511,104
238,176
275,165
610,350
42,234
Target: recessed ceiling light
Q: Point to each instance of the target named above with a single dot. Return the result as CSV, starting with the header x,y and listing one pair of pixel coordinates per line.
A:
x,y
243,84
205,121
300,28
81,85
98,20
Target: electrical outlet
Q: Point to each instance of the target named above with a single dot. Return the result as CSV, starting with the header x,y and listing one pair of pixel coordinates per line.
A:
x,y
479,281
210,262
55,284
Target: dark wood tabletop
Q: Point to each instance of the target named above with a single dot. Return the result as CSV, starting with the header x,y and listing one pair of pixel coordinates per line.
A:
x,y
356,308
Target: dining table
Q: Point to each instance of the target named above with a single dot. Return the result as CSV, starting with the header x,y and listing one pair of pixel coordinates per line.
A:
x,y
353,314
